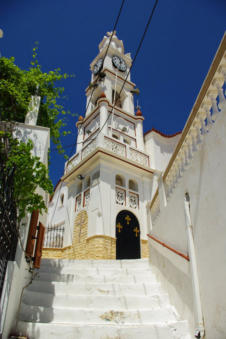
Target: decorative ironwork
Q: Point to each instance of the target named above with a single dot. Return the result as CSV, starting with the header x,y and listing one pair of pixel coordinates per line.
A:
x,y
86,197
133,200
78,203
128,219
115,147
54,236
119,227
89,148
120,197
136,231
8,214
72,163
138,156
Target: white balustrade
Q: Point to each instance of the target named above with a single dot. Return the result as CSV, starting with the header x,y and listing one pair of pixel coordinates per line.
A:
x,y
72,163
89,148
138,156
204,119
115,146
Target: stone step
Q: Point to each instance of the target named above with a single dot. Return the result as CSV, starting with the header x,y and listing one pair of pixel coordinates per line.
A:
x,y
94,301
96,316
89,288
173,330
58,263
95,277
108,270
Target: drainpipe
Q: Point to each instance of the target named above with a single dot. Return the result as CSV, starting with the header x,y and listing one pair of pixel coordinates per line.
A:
x,y
199,331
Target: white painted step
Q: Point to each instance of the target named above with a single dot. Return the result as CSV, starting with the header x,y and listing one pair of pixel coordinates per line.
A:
x,y
98,299
131,302
87,288
98,277
57,263
174,330
72,269
96,316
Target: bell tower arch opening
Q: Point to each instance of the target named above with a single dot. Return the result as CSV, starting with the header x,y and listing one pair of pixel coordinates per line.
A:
x,y
127,236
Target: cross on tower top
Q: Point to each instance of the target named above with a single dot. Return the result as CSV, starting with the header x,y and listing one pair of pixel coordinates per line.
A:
x,y
111,33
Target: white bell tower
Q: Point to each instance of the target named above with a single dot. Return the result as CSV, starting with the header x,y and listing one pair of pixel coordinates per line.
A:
x,y
108,179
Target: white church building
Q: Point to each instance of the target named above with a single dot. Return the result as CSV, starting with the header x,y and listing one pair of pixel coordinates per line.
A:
x,y
135,240
110,177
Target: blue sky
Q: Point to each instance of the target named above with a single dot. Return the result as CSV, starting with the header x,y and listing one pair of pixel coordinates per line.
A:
x,y
176,54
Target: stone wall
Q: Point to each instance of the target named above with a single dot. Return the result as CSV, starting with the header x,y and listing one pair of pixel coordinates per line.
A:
x,y
144,249
101,247
95,247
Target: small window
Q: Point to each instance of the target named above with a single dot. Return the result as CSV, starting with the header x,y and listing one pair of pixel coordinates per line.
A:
x,y
62,199
133,185
119,181
126,141
115,136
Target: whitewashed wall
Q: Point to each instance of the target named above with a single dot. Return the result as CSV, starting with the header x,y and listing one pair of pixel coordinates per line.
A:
x,y
160,149
205,180
17,275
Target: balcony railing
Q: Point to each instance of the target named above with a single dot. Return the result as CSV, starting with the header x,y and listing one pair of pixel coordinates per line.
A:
x,y
113,146
138,157
54,236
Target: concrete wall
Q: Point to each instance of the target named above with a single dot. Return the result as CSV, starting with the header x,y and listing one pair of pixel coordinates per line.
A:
x,y
160,148
17,274
102,208
205,180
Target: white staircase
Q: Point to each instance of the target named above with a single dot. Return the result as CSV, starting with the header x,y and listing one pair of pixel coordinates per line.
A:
x,y
102,299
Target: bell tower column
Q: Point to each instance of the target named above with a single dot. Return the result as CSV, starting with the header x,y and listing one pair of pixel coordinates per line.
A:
x,y
139,130
79,136
103,121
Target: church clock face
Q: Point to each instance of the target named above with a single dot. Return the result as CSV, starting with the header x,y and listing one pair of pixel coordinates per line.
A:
x,y
119,63
97,67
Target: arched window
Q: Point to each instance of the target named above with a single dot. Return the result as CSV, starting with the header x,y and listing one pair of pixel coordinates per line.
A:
x,y
133,185
119,181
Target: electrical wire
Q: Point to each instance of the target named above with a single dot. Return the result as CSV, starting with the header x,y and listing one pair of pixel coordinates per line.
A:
x,y
135,57
115,25
72,146
132,64
98,75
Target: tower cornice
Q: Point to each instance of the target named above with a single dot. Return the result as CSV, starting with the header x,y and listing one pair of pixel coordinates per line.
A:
x,y
120,111
103,154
